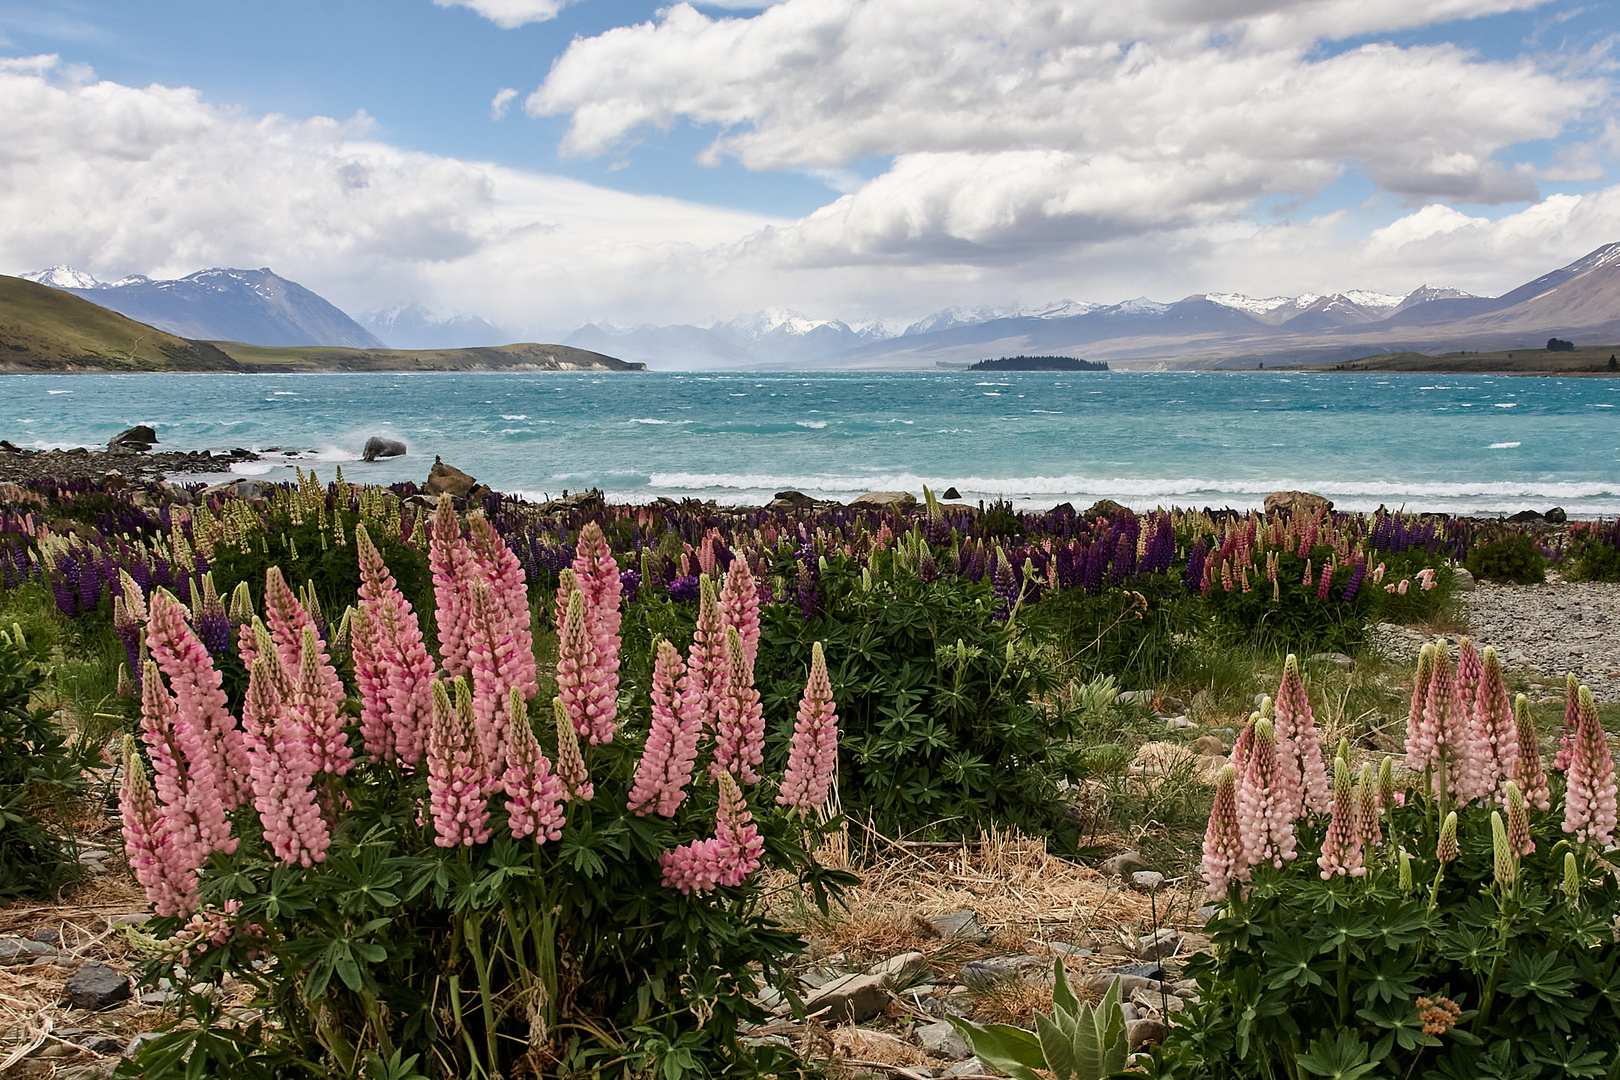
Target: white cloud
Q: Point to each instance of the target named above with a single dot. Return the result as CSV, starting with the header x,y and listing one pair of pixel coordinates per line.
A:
x,y
510,14
503,100
1043,123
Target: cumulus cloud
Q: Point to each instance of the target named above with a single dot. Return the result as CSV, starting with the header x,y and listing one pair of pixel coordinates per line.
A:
x,y
510,14
502,101
1048,123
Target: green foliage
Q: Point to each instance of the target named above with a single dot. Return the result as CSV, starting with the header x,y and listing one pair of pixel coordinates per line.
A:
x,y
1596,552
1131,634
1352,977
939,735
1509,557
1077,1041
35,769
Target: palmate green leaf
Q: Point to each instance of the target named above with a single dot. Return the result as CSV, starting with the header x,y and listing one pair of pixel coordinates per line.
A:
x,y
1292,957
1345,1058
1014,1051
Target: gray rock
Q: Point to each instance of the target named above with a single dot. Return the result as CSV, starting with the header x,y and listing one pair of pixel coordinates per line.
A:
x,y
48,935
141,1040
1148,881
1125,862
942,1038
1149,1032
1154,971
962,924
994,969
970,1067
773,1000
96,986
1337,659
1556,516
20,948
851,999
885,500
1464,579
103,1044
139,438
378,446
1297,502
448,480
791,500
1128,1012
1209,911
900,971
1143,698
1128,984
1151,999
1159,944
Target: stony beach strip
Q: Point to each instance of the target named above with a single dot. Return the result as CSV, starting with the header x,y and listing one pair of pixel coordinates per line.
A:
x,y
1552,629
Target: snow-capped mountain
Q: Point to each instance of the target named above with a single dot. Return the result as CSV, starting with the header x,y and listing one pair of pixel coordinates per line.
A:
x,y
414,326
256,307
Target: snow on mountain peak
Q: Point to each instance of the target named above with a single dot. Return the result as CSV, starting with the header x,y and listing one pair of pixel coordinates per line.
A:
x,y
63,277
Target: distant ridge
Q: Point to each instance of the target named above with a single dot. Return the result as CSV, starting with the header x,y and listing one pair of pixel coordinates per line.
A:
x,y
1038,363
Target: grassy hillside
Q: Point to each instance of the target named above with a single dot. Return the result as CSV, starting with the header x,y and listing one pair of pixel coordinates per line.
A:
x,y
521,357
1587,360
46,329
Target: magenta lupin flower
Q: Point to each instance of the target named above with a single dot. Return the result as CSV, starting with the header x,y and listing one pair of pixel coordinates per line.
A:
x,y
282,768
146,842
739,737
490,649
534,795
1495,735
666,761
185,840
458,782
707,666
1341,848
1422,741
1572,715
739,608
597,574
392,668
219,758
1367,823
1223,839
1264,818
320,708
495,564
1527,769
1299,749
590,707
1518,821
449,559
1590,795
813,757
288,618
570,762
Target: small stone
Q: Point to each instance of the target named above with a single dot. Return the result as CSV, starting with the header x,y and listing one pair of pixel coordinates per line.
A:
x,y
96,986
1148,1032
1148,881
900,971
958,924
1209,744
48,935
943,1038
1158,944
20,948
141,1040
994,969
1464,580
1099,983
1208,912
103,1044
1337,659
1123,863
159,997
1155,972
959,1002
134,918
851,999
970,1067
1151,999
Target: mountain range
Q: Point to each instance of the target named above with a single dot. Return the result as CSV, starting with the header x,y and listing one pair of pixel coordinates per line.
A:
x,y
1579,302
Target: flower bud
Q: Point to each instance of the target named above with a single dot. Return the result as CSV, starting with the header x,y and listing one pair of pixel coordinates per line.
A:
x,y
1446,851
1572,879
1507,863
1405,879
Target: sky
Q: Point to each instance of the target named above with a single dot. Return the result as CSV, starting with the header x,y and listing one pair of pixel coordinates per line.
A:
x,y
548,163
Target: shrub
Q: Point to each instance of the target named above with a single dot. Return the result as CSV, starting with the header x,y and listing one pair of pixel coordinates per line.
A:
x,y
36,769
1597,552
1509,557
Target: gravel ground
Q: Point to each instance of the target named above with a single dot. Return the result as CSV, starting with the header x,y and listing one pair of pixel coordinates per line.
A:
x,y
1552,629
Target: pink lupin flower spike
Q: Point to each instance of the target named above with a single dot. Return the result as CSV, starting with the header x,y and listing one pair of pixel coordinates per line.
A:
x,y
1341,849
1422,741
739,739
288,619
1263,814
450,561
726,858
813,757
666,762
458,782
1527,770
1518,821
199,696
1298,747
283,769
320,708
185,840
1590,798
497,566
1572,714
1367,823
707,666
598,576
570,762
739,608
593,712
1469,670
534,795
1223,840
1444,714
1496,736
146,843
391,665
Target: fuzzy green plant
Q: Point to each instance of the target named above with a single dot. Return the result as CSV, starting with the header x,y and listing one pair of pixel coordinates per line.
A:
x,y
1077,1041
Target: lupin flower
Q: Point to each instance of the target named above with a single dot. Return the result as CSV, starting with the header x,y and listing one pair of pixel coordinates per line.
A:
x,y
458,782
570,762
1244,743
1367,823
1572,715
1518,821
813,757
739,608
320,709
1422,741
1469,670
1403,878
282,768
739,738
392,668
1388,798
1495,734
1341,848
500,570
589,707
1572,880
171,888
1457,768
666,762
208,734
1507,862
1446,849
1223,840
1298,747
534,795
599,580
1528,773
288,618
726,858
449,559
1590,797
707,666
1263,815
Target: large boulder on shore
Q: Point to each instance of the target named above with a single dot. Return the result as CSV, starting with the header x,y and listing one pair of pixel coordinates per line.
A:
x,y
449,480
377,446
885,500
1298,502
138,439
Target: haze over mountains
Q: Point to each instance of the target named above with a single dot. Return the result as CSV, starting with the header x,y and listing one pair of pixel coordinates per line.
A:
x,y
1580,302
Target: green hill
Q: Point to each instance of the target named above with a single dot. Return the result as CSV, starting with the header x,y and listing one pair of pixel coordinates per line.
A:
x,y
1586,360
525,356
46,329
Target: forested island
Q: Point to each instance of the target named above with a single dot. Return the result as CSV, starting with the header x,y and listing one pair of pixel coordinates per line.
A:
x,y
1039,363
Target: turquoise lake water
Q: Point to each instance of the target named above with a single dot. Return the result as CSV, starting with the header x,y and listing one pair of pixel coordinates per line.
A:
x,y
1478,445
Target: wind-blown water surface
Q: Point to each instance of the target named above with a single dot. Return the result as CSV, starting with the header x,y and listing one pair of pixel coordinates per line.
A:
x,y
1464,444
